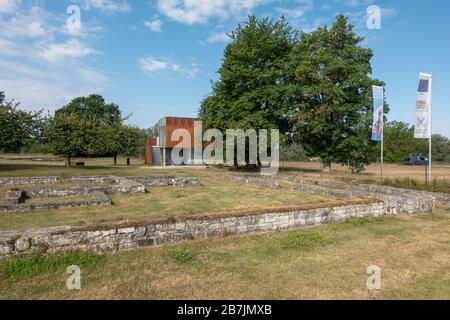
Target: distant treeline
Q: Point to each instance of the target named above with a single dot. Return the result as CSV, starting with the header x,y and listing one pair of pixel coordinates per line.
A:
x,y
399,143
87,126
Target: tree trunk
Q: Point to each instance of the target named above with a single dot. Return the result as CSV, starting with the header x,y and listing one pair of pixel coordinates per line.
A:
x,y
115,158
326,166
128,161
68,162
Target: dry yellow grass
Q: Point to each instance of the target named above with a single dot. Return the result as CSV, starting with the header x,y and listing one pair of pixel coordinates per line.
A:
x,y
392,171
327,262
216,195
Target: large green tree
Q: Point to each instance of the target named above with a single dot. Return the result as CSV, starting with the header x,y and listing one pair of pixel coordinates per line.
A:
x,y
70,135
334,89
95,107
124,140
253,90
108,115
18,128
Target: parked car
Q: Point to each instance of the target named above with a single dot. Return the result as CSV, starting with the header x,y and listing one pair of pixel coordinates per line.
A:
x,y
416,161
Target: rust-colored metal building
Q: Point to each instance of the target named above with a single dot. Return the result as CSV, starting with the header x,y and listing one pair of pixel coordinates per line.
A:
x,y
159,152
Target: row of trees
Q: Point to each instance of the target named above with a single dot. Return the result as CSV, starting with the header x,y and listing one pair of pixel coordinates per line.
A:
x,y
87,126
315,87
399,142
18,128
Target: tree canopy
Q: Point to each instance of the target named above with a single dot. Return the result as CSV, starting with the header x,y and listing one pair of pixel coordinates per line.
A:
x,y
18,128
334,86
399,142
94,107
316,88
252,91
115,138
70,135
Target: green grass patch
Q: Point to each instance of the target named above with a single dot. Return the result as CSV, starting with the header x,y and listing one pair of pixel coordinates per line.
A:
x,y
181,255
362,221
307,240
18,268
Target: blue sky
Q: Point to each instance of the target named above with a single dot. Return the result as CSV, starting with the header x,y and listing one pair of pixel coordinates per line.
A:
x,y
158,57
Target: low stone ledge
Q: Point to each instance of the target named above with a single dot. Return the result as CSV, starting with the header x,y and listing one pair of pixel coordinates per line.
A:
x,y
122,185
395,199
393,203
369,188
254,180
323,191
13,197
64,239
100,199
165,181
91,179
27,180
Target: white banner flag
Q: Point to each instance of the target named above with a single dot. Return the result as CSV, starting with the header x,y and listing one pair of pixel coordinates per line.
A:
x,y
423,108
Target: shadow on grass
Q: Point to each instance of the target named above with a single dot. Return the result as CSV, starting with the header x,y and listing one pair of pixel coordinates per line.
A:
x,y
10,169
297,169
281,169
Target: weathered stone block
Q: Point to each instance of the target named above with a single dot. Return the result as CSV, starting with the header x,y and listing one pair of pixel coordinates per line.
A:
x,y
22,244
126,230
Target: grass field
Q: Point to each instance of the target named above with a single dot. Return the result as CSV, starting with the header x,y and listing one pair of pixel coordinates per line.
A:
x,y
327,262
216,195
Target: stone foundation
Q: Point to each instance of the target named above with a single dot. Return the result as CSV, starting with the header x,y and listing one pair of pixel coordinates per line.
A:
x,y
396,200
15,200
100,199
164,181
28,180
65,239
254,180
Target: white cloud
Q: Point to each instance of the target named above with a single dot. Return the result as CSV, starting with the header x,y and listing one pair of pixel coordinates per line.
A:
x,y
9,6
200,11
30,25
302,7
155,25
151,65
166,68
218,37
9,48
36,87
110,6
72,48
39,71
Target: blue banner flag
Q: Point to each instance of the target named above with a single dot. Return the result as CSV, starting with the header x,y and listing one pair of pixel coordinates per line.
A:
x,y
378,113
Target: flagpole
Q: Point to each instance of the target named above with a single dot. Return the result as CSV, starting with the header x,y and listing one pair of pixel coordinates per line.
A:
x,y
382,138
430,175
